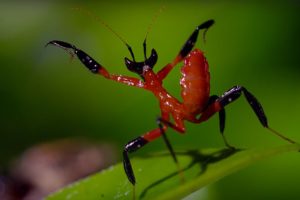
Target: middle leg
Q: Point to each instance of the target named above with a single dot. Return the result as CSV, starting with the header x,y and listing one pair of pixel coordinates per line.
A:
x,y
141,141
218,104
222,116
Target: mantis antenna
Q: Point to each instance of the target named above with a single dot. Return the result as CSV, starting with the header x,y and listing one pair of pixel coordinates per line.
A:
x,y
98,19
154,18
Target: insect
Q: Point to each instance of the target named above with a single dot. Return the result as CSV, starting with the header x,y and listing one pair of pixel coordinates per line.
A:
x,y
197,104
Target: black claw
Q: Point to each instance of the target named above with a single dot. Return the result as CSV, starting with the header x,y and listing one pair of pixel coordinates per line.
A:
x,y
190,43
88,61
206,24
61,44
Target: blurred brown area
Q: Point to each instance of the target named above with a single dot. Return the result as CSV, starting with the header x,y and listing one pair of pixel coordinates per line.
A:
x,y
47,167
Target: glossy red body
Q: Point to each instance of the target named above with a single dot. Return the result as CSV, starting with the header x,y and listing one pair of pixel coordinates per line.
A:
x,y
196,106
195,91
195,84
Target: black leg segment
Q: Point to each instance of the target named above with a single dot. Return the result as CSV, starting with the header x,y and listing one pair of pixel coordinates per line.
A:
x,y
88,61
129,148
222,127
160,122
235,92
166,140
190,43
212,100
257,108
222,116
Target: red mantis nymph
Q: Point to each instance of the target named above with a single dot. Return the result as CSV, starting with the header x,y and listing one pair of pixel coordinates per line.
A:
x,y
197,104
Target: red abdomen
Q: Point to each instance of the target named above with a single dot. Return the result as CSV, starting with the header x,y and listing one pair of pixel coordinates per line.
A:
x,y
195,82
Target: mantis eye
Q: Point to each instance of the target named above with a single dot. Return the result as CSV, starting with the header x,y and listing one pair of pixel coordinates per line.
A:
x,y
137,67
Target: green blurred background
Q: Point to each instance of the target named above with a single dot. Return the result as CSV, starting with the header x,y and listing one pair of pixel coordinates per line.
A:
x,y
45,97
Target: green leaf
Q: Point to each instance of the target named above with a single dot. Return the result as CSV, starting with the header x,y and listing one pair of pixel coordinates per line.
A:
x,y
158,177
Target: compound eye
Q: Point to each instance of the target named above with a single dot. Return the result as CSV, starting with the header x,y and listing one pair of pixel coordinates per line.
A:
x,y
135,67
151,61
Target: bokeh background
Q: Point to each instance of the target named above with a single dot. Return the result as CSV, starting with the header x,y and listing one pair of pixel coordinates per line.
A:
x,y
46,97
